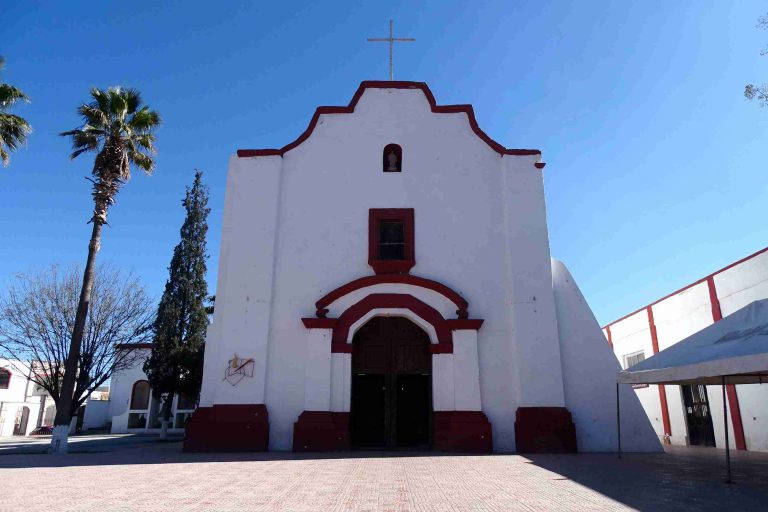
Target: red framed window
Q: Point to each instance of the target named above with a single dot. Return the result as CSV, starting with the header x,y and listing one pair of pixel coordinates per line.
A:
x,y
391,240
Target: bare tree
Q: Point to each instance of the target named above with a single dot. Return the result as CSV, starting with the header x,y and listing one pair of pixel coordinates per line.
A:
x,y
37,316
759,92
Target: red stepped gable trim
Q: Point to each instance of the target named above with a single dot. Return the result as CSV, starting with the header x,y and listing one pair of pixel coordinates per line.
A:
x,y
375,84
730,389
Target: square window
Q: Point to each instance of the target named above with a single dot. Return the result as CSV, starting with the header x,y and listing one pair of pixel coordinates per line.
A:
x,y
391,240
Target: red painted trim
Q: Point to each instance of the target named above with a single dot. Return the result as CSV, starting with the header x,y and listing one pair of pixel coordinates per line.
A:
x,y
738,426
228,428
133,346
319,323
730,389
713,274
341,348
461,431
717,314
375,217
464,323
421,282
662,390
446,109
544,430
540,165
395,300
610,336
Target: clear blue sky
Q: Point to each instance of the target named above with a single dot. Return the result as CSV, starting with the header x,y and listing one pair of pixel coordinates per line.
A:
x,y
655,170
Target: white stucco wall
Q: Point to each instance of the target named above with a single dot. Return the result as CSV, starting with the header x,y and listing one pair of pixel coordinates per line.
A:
x,y
589,371
17,396
121,387
683,314
296,227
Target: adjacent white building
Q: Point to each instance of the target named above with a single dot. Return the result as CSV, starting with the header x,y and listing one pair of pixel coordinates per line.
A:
x,y
24,406
133,409
385,281
692,415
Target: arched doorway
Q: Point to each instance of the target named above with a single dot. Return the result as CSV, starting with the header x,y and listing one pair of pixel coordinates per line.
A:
x,y
391,403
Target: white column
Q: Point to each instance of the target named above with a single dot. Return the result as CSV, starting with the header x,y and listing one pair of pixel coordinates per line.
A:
x,y
244,287
535,345
341,381
442,382
466,371
317,372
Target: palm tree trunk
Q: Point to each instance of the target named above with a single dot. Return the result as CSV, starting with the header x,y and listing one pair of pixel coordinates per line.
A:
x,y
64,407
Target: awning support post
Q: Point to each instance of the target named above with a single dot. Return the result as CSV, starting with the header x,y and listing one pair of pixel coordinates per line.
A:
x,y
727,444
618,421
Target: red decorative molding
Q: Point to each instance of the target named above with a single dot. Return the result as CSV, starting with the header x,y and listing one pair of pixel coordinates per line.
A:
x,y
375,217
395,300
319,323
544,430
461,431
228,428
540,165
321,431
421,282
713,274
662,390
342,348
446,109
464,323
730,389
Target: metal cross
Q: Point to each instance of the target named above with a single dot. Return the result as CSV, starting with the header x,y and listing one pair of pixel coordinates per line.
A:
x,y
391,40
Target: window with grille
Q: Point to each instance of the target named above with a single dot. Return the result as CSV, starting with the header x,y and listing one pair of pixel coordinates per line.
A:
x,y
391,240
633,359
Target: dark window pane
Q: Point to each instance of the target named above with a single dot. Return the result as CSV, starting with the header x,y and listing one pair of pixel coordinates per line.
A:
x,y
392,232
392,252
391,240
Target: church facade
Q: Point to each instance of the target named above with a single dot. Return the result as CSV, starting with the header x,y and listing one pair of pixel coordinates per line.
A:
x,y
385,281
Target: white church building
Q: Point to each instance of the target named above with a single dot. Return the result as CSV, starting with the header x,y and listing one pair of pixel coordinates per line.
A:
x,y
385,281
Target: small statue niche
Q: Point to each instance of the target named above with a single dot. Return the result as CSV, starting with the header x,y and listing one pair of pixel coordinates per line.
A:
x,y
393,158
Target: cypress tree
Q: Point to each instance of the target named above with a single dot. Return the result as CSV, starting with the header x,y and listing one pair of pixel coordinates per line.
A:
x,y
175,365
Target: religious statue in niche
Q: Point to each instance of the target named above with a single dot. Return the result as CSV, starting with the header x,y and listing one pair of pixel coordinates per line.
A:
x,y
393,158
237,369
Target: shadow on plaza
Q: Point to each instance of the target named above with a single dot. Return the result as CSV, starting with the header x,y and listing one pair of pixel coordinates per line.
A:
x,y
683,478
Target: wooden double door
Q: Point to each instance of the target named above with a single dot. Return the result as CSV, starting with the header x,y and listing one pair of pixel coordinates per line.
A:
x,y
391,403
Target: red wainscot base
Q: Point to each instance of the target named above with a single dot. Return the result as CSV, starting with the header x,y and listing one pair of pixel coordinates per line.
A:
x,y
321,431
228,428
545,430
461,431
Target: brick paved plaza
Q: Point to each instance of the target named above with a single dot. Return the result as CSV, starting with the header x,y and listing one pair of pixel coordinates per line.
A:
x,y
155,476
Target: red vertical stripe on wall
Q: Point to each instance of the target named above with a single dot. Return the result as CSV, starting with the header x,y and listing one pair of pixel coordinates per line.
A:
x,y
610,337
730,389
662,389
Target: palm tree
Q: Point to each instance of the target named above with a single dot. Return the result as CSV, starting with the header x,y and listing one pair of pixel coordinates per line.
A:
x,y
120,130
13,129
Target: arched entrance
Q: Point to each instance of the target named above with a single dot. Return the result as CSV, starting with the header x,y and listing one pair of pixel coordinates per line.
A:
x,y
391,395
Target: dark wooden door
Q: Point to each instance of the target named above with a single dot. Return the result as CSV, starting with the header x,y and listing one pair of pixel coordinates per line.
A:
x,y
391,385
698,416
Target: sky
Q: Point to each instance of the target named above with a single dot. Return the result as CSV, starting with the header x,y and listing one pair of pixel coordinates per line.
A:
x,y
655,171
